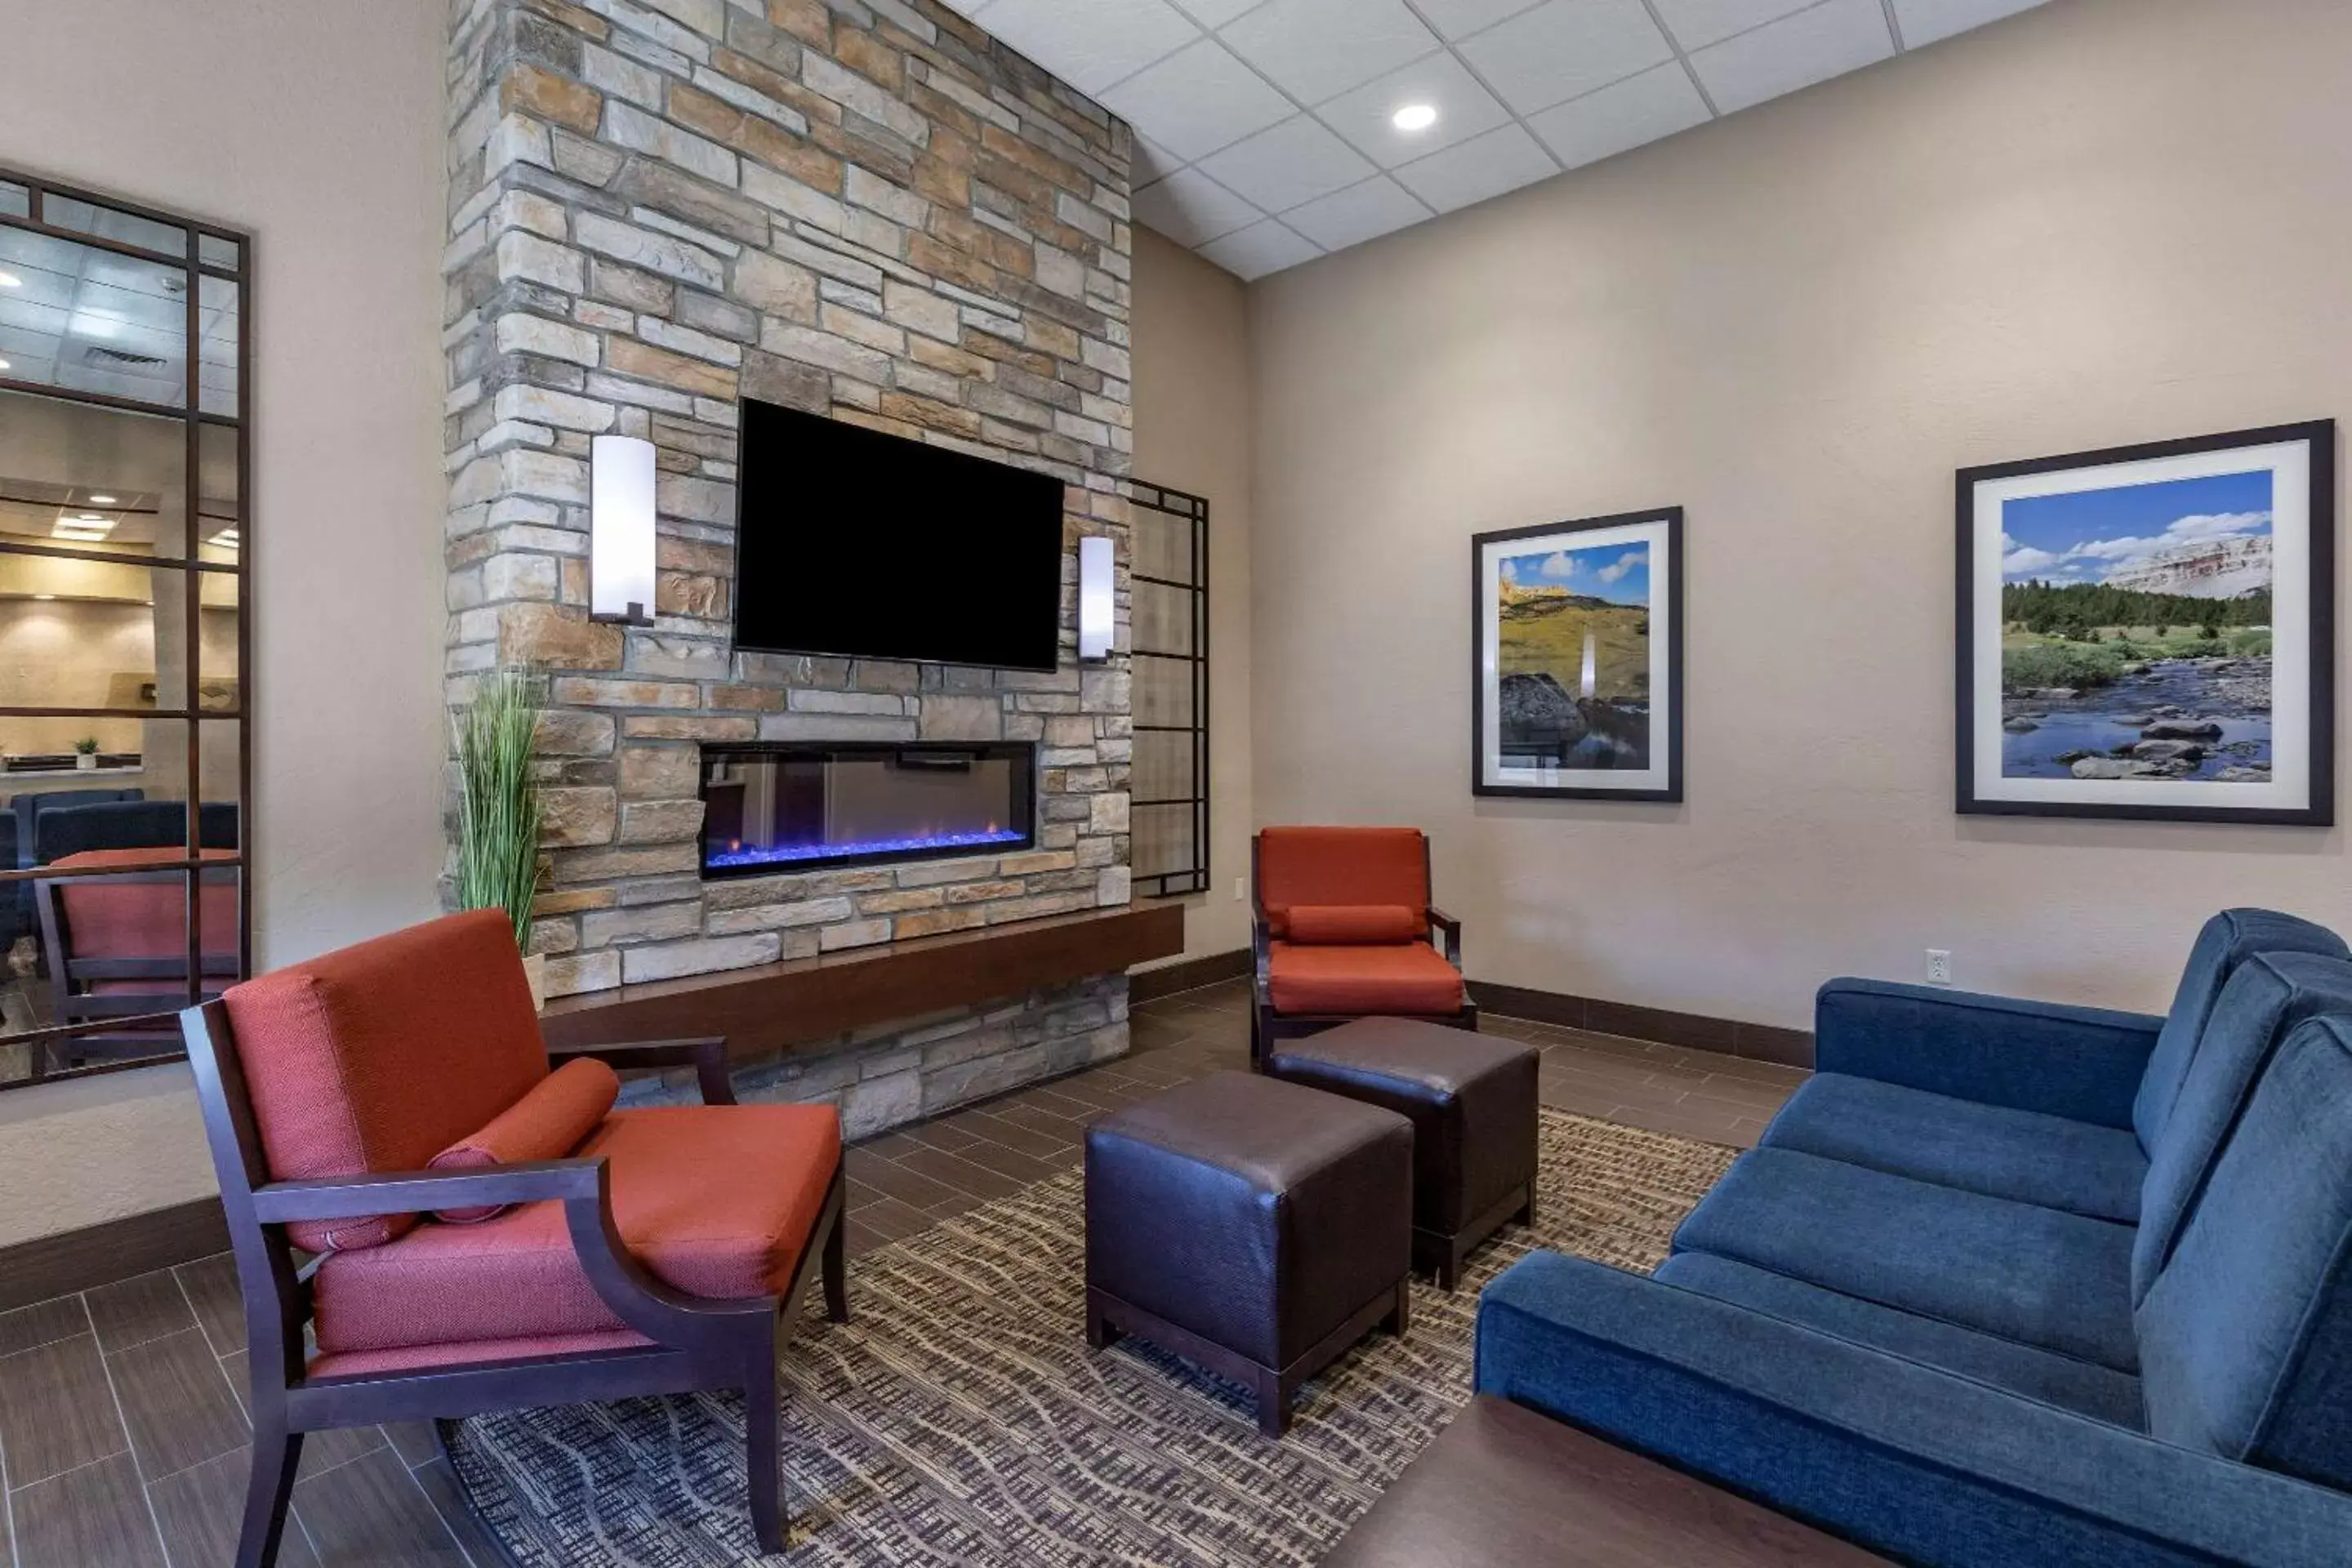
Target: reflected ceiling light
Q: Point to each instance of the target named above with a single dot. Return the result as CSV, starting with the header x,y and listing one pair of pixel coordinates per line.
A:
x,y
90,324
101,500
90,517
44,599
10,281
1415,117
4,364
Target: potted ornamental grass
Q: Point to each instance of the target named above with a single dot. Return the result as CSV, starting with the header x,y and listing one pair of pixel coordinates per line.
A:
x,y
498,806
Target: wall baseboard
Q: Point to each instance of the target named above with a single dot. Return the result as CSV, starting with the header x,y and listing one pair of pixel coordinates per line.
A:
x,y
50,1266
1692,1031
1187,974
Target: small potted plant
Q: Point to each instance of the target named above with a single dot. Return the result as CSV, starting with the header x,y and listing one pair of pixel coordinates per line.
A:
x,y
498,806
85,753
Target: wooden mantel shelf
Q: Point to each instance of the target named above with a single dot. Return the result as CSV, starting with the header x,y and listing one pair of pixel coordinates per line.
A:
x,y
804,999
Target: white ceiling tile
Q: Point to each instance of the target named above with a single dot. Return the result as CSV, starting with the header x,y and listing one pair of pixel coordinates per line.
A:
x,y
1657,103
1455,19
1152,161
1462,176
1259,249
1197,99
1215,13
1698,23
1930,21
1317,49
1564,49
1366,117
1831,38
1091,44
1377,206
1295,161
1191,209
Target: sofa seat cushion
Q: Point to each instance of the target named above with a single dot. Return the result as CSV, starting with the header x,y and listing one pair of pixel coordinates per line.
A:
x,y
1401,977
1989,1148
2017,1271
2100,1392
716,1200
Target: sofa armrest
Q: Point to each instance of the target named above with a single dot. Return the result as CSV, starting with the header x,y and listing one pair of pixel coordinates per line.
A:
x,y
2081,1063
706,1056
1905,1458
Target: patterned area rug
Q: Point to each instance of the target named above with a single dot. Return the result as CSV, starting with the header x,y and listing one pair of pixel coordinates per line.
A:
x,y
959,1417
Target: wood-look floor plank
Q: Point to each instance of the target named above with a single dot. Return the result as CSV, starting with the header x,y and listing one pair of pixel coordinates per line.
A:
x,y
212,1287
414,1441
142,1308
448,1499
320,1450
96,1514
373,1511
57,1412
178,1404
953,1171
42,1323
202,1508
1012,1162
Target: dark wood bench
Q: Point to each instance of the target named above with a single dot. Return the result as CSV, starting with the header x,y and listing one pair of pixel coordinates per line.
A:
x,y
1506,1488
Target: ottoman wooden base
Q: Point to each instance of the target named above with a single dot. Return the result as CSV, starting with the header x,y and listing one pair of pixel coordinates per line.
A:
x,y
1109,1320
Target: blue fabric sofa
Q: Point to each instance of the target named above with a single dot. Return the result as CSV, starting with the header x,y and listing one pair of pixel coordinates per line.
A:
x,y
2008,1283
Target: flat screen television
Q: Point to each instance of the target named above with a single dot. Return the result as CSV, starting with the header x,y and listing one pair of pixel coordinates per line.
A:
x,y
850,542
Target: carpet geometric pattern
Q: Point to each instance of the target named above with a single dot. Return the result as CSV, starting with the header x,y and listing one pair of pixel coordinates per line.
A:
x,y
959,1418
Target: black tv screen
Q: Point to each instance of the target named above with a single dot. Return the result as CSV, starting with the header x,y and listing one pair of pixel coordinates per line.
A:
x,y
850,542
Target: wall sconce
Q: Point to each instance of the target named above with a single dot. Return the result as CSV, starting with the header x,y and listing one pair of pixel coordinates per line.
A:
x,y
621,530
1094,606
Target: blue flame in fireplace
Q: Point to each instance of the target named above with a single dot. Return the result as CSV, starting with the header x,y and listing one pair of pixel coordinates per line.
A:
x,y
788,853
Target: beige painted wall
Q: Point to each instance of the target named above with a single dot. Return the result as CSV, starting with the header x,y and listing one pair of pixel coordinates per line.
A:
x,y
1193,433
317,125
2107,221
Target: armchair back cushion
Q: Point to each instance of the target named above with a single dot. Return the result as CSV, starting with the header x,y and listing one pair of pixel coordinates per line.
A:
x,y
1357,925
2246,1339
1341,866
126,918
2265,1000
2228,940
378,1057
547,1123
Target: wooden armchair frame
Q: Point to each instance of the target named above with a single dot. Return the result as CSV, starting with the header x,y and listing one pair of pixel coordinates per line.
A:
x,y
1267,1026
698,1343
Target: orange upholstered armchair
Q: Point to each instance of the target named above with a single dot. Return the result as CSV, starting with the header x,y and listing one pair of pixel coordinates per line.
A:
x,y
1342,930
491,1232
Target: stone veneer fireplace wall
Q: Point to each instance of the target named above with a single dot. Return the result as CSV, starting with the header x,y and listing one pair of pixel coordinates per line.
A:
x,y
865,209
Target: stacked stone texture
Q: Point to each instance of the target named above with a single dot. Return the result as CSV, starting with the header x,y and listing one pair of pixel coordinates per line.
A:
x,y
868,210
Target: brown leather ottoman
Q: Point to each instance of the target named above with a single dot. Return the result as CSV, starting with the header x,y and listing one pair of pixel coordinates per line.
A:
x,y
1252,1226
1472,1102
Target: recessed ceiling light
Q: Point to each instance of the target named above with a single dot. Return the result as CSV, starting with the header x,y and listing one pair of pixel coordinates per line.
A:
x,y
101,500
4,364
10,281
44,599
1416,117
90,517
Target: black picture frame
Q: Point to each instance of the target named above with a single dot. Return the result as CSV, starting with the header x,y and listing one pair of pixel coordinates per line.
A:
x,y
2316,660
1582,783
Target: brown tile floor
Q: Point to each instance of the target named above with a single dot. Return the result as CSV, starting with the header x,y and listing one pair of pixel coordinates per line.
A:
x,y
122,1428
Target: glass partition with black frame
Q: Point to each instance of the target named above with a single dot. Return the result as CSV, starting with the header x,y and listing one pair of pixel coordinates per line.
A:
x,y
125,634
1168,815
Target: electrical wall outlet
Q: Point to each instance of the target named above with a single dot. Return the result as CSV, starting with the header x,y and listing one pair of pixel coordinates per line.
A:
x,y
1939,967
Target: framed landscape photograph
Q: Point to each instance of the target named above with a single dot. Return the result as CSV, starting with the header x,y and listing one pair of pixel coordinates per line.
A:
x,y
2149,632
1578,658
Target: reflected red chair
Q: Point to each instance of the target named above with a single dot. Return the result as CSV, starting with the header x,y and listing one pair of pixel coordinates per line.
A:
x,y
492,1233
117,946
1342,928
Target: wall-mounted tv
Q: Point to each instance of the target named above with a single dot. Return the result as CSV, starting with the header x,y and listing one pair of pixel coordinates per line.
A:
x,y
850,542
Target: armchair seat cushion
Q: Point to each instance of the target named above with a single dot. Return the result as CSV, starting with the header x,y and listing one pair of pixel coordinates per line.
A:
x,y
717,1201
1401,977
2001,1153
2058,1281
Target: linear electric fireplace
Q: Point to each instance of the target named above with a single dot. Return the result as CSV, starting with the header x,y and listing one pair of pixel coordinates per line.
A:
x,y
793,807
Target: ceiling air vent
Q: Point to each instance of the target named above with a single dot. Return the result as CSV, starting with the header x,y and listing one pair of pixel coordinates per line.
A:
x,y
95,355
